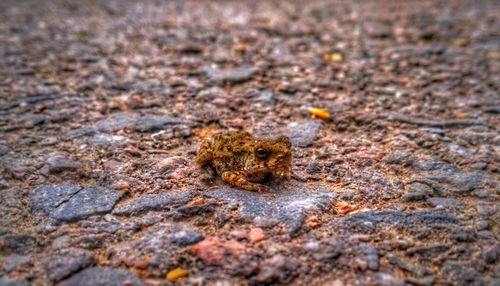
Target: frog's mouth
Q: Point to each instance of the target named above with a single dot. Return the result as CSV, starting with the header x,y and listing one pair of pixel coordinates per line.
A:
x,y
282,174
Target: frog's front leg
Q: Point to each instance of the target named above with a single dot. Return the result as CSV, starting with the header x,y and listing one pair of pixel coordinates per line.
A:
x,y
205,154
238,179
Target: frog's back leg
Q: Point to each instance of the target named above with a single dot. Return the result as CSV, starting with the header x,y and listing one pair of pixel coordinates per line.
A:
x,y
238,179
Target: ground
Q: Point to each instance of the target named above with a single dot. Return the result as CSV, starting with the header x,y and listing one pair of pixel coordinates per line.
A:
x,y
103,105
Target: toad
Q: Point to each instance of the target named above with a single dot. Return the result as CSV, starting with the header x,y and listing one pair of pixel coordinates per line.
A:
x,y
244,161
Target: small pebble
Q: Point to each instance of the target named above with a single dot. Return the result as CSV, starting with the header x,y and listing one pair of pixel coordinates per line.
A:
x,y
256,235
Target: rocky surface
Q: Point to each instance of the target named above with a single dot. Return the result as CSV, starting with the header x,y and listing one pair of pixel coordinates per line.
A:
x,y
65,203
102,276
103,105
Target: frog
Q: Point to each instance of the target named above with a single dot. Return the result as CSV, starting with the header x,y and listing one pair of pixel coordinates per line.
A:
x,y
246,162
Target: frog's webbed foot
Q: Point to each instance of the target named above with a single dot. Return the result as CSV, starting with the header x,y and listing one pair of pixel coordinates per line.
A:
x,y
238,179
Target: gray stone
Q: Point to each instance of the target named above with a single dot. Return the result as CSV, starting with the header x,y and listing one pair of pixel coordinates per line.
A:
x,y
422,188
120,121
412,197
47,198
496,270
212,93
115,122
231,75
104,140
371,256
63,263
31,120
483,224
433,164
404,158
427,280
162,237
153,202
170,164
103,276
289,204
15,262
413,268
332,249
389,280
89,201
428,250
312,246
458,274
460,150
313,168
80,132
61,242
479,165
149,86
303,134
10,282
417,192
65,203
463,234
156,122
493,282
481,193
161,241
19,243
460,182
486,234
265,96
486,210
396,219
277,269
4,149
58,164
187,211
445,202
282,55
49,141
185,237
491,253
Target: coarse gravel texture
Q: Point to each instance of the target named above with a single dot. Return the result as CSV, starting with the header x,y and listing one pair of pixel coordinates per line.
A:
x,y
103,105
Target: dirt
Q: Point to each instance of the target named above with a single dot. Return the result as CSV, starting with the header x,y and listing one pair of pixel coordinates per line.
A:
x,y
103,105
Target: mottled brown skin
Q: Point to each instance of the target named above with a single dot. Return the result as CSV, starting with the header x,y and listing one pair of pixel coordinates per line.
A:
x,y
244,161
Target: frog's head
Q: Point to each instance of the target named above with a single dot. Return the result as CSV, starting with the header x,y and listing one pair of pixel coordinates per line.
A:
x,y
272,158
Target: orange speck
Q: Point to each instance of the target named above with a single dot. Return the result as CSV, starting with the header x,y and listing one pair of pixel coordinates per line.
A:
x,y
177,273
344,208
319,113
197,202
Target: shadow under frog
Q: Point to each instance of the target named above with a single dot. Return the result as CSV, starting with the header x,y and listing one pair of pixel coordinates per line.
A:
x,y
288,207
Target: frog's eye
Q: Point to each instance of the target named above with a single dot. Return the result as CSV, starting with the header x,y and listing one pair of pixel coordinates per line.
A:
x,y
261,153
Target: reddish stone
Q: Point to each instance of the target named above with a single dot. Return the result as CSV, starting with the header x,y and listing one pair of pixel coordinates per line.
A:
x,y
210,251
239,234
256,235
234,247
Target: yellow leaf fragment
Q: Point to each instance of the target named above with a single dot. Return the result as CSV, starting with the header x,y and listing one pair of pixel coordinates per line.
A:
x,y
332,57
177,273
319,113
336,57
